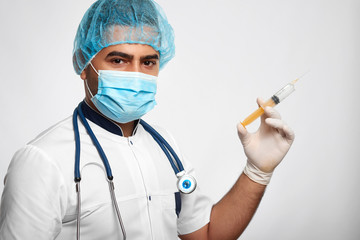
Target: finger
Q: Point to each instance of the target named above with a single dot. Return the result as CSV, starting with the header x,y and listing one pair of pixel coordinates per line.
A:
x,y
260,101
290,135
282,128
275,123
272,113
243,133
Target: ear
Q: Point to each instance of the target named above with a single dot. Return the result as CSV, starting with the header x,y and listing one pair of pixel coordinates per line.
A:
x,y
83,75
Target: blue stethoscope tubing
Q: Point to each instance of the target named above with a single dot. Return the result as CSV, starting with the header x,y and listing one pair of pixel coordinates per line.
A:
x,y
78,112
186,183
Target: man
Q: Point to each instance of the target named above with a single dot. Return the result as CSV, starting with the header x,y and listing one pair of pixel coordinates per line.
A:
x,y
119,49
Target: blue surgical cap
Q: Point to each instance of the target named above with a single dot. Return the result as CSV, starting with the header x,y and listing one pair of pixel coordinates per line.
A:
x,y
111,22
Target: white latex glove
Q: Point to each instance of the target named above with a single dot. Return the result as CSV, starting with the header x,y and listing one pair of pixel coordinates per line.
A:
x,y
267,146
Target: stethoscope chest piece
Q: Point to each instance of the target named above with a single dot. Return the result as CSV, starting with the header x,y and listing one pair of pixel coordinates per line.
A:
x,y
186,183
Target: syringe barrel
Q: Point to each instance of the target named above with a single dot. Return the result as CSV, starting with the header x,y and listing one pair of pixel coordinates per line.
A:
x,y
284,92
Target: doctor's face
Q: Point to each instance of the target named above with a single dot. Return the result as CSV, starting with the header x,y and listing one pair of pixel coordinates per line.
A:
x,y
121,57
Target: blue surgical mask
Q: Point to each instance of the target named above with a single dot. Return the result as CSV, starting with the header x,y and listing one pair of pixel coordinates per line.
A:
x,y
124,96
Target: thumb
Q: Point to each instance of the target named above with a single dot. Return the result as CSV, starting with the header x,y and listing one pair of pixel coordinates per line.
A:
x,y
243,133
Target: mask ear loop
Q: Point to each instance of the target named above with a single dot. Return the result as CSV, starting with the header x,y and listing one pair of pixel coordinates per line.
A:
x,y
87,86
94,69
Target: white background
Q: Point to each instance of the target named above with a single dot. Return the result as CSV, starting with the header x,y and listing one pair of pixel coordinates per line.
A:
x,y
228,53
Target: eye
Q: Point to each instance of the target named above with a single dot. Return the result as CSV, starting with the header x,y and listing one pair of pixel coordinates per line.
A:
x,y
117,61
149,63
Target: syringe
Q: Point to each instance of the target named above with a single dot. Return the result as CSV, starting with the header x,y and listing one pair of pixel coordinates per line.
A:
x,y
274,100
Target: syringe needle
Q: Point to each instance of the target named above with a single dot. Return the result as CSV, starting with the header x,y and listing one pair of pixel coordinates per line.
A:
x,y
303,75
295,81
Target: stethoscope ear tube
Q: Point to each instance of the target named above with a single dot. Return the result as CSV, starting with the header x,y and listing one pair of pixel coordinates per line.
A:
x,y
113,199
78,210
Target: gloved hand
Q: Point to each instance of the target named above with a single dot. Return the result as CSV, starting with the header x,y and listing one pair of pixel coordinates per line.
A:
x,y
267,146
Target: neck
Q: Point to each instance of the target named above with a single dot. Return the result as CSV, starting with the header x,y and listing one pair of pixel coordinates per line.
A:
x,y
127,128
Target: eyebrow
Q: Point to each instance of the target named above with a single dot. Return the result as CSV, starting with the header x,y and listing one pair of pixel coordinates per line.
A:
x,y
130,57
120,54
154,56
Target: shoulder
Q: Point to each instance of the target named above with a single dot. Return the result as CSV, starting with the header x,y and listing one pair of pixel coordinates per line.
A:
x,y
49,150
169,138
57,142
167,135
62,129
30,160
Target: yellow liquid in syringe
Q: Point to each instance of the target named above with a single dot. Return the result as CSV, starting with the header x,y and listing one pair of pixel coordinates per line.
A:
x,y
260,111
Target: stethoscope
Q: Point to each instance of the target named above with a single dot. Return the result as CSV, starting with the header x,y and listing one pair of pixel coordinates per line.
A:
x,y
186,183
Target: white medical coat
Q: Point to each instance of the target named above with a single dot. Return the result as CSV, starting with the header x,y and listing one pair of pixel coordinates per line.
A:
x,y
39,198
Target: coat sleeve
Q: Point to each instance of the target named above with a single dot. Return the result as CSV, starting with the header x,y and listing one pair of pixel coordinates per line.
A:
x,y
33,202
196,207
